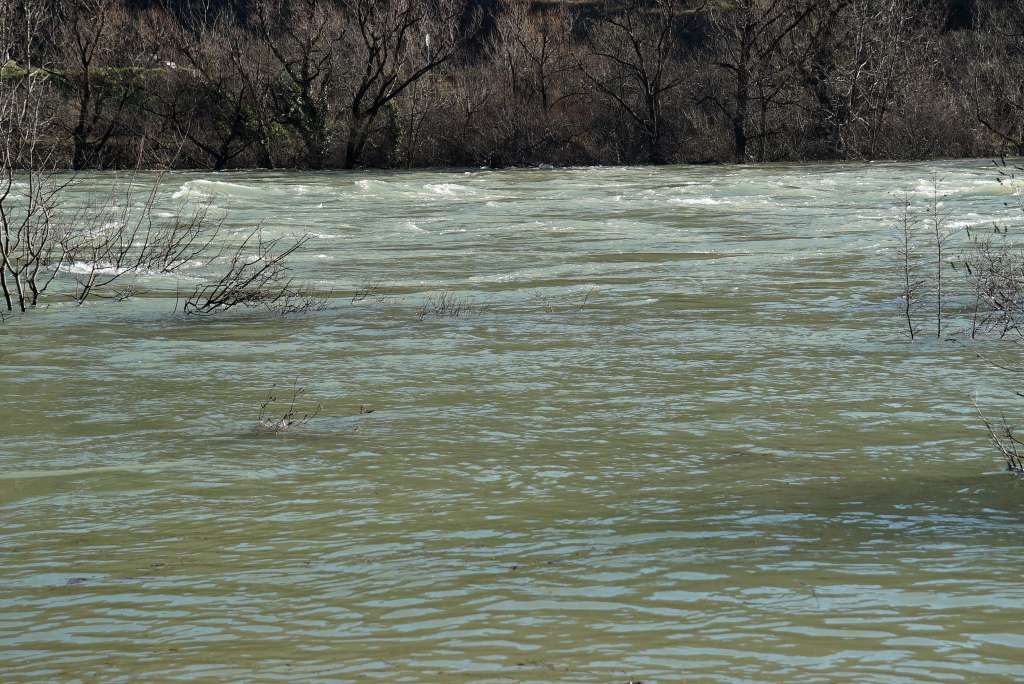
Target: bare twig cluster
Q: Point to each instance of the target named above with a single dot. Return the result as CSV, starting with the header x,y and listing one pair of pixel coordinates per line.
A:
x,y
303,300
1005,440
257,275
277,414
447,304
992,263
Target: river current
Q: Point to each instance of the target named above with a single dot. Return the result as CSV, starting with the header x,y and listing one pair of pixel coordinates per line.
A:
x,y
675,434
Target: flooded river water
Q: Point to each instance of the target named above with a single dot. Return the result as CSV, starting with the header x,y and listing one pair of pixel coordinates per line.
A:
x,y
677,435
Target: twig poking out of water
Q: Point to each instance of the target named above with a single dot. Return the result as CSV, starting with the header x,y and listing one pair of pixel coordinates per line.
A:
x,y
907,252
446,304
569,303
940,233
374,291
1002,436
277,415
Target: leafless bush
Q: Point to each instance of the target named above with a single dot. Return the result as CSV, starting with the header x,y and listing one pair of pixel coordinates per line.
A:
x,y
257,276
446,304
277,415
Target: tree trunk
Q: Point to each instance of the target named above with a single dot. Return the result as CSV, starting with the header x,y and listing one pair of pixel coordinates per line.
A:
x,y
358,132
739,118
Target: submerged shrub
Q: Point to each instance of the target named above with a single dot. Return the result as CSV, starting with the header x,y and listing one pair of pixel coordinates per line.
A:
x,y
446,304
277,415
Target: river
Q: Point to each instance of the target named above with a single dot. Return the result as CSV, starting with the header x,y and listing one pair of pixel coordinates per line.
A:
x,y
677,434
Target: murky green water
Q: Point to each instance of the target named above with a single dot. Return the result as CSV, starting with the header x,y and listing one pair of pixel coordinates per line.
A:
x,y
726,466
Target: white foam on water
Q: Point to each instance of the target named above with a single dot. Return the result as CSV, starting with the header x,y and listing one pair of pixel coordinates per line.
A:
x,y
87,267
697,201
496,278
926,187
209,188
449,189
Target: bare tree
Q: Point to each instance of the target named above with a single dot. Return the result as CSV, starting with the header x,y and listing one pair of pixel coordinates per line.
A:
x,y
98,62
750,50
853,57
204,97
999,106
393,44
937,219
992,261
304,40
634,53
533,49
533,76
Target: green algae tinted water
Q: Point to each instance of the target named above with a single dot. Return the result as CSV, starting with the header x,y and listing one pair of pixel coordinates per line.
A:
x,y
677,436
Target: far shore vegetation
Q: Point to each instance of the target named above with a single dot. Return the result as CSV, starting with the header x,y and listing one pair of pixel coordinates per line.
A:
x,y
315,84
